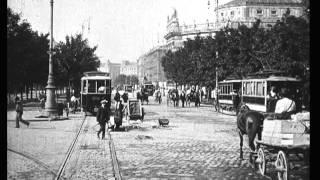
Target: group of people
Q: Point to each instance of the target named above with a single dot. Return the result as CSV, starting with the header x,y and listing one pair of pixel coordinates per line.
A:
x,y
191,95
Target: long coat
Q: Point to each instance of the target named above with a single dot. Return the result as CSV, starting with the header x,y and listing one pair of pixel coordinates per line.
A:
x,y
103,115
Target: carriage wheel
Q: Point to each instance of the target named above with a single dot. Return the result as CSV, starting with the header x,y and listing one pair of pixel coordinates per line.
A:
x,y
261,160
282,166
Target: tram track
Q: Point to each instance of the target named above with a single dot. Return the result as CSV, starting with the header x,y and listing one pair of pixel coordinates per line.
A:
x,y
115,163
69,152
37,161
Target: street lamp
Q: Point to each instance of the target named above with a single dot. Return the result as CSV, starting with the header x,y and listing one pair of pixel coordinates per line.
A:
x,y
50,106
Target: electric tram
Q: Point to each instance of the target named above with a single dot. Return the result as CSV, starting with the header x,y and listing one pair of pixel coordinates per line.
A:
x,y
95,86
254,89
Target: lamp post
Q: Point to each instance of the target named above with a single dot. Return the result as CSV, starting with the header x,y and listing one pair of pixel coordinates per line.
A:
x,y
217,89
50,106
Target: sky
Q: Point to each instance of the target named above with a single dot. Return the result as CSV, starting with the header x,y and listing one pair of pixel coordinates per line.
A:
x,y
122,29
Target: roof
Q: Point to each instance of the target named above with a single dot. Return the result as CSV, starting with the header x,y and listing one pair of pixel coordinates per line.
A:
x,y
95,77
96,73
231,81
261,2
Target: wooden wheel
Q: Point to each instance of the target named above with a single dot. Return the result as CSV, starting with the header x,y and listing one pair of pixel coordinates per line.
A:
x,y
261,161
282,166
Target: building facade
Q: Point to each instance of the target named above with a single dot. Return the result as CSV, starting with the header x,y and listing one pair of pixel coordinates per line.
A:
x,y
246,12
113,69
129,68
150,68
176,34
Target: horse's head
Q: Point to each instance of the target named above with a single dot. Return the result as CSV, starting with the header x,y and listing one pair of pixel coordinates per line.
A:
x,y
243,108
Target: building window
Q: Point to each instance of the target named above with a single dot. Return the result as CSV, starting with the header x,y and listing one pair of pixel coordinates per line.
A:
x,y
232,13
221,14
259,11
273,12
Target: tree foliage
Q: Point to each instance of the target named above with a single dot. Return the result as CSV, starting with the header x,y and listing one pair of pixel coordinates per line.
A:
x,y
284,46
74,57
26,54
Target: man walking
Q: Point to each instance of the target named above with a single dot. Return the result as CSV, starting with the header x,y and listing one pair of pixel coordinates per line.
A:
x,y
103,116
117,99
183,97
19,110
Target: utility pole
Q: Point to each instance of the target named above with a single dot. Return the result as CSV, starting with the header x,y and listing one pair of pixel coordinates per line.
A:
x,y
50,106
217,93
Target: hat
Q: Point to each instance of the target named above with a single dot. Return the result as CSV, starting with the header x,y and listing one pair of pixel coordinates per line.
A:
x,y
104,101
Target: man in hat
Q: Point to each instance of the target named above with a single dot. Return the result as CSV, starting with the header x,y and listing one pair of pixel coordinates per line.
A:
x,y
285,104
103,116
19,110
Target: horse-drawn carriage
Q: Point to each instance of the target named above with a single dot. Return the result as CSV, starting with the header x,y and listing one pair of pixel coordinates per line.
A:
x,y
279,139
284,142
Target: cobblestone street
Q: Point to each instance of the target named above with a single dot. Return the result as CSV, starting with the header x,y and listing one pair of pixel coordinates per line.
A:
x,y
198,144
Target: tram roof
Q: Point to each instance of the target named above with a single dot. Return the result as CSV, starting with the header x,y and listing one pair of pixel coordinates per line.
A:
x,y
231,81
274,78
95,78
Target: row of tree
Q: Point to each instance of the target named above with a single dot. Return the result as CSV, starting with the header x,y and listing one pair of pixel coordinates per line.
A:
x,y
28,59
284,46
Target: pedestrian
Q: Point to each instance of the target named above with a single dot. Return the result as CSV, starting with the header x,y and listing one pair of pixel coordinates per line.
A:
x,y
235,100
272,99
19,110
103,116
119,112
125,97
183,97
66,108
117,98
197,99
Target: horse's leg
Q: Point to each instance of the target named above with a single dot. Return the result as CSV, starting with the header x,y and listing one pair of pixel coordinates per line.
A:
x,y
241,144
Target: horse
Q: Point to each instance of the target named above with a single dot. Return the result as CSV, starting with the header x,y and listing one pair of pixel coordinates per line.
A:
x,y
249,122
190,97
171,97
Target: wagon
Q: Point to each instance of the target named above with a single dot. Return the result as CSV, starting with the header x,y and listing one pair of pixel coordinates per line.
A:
x,y
289,149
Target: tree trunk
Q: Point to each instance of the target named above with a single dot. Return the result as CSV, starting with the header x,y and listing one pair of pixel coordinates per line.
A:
x,y
31,90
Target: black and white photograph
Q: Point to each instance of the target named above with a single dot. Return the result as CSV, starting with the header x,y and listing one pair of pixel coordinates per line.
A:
x,y
158,89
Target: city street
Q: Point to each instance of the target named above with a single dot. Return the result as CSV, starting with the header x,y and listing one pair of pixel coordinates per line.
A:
x,y
198,144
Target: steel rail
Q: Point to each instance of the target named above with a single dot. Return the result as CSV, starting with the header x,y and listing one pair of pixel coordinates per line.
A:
x,y
115,163
29,156
69,152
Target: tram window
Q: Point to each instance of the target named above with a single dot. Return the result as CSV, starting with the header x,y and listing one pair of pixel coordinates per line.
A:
x,y
85,87
101,86
108,90
92,86
259,89
248,88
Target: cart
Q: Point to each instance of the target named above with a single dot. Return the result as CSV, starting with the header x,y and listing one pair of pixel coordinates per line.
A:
x,y
282,155
134,110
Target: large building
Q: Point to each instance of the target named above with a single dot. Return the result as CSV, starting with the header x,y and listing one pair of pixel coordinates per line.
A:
x,y
112,68
150,68
176,34
246,12
129,68
231,14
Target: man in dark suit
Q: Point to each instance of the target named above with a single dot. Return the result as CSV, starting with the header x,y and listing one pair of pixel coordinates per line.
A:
x,y
103,116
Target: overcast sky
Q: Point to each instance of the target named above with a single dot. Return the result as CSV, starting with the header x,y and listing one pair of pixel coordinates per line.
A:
x,y
122,29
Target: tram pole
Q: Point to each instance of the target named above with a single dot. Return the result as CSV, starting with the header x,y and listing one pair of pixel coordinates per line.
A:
x,y
217,93
51,106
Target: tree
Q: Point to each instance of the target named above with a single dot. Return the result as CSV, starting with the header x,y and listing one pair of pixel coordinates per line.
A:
x,y
27,54
72,59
